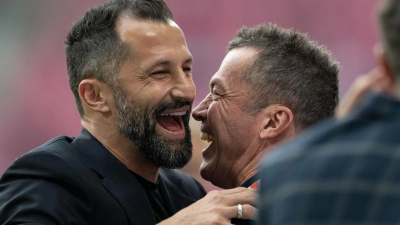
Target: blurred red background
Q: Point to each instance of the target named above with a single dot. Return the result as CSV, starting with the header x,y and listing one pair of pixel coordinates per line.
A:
x,y
36,103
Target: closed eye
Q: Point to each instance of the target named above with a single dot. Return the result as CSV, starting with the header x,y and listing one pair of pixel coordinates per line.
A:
x,y
187,71
214,95
159,72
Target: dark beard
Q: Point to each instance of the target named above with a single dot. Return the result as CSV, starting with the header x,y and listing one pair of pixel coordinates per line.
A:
x,y
135,123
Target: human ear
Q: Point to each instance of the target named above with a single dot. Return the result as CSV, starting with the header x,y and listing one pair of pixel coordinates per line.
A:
x,y
277,120
93,94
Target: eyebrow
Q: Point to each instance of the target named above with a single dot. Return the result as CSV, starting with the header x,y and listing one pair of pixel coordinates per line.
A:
x,y
189,59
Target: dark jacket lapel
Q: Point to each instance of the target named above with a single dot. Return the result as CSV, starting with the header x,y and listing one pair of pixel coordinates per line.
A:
x,y
171,190
117,179
127,190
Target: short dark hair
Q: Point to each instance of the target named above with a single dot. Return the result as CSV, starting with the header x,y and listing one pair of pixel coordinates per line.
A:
x,y
93,46
389,20
291,70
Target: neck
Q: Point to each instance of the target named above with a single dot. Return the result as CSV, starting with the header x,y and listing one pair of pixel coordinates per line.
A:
x,y
254,158
122,148
246,177
249,163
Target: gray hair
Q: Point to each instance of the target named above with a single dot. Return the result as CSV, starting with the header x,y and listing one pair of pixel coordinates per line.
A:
x,y
291,70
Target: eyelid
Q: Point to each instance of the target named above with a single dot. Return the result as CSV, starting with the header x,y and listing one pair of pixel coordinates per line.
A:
x,y
214,96
214,93
187,67
159,72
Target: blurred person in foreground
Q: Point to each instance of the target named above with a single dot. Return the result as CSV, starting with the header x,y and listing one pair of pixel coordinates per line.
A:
x,y
346,170
130,71
272,84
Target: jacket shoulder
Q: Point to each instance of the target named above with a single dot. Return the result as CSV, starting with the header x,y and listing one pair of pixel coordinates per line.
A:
x,y
49,178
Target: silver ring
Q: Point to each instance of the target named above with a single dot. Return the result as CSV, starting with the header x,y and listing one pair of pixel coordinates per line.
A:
x,y
240,211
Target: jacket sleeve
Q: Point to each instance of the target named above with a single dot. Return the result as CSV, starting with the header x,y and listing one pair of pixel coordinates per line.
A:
x,y
41,187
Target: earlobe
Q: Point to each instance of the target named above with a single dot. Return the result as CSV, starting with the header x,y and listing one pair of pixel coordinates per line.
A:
x,y
92,95
278,119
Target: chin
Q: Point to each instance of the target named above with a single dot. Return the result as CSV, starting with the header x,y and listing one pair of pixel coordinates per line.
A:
x,y
208,173
205,171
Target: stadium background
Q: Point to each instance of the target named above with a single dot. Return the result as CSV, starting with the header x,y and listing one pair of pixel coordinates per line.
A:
x,y
36,103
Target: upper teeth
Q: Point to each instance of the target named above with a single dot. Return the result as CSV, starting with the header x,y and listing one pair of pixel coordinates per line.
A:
x,y
206,137
175,114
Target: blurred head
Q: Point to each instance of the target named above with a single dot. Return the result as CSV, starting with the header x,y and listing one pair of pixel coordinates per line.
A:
x,y
273,83
128,63
389,21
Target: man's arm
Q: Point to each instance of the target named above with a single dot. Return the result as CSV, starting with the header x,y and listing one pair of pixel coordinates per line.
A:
x,y
217,207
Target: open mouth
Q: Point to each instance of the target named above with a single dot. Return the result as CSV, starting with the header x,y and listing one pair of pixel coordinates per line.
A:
x,y
206,137
171,122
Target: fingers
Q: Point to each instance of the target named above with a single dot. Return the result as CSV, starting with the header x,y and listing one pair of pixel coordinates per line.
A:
x,y
217,207
373,81
236,190
232,197
244,196
248,212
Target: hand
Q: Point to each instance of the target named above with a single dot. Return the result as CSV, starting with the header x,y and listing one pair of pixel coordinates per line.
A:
x,y
376,81
217,207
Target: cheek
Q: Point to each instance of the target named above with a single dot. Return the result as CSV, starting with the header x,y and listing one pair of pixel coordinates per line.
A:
x,y
156,92
234,138
152,96
212,166
192,84
218,115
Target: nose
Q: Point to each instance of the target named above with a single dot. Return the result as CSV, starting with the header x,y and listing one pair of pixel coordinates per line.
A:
x,y
200,112
184,88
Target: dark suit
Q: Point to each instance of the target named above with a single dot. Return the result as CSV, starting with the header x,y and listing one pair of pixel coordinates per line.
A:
x,y
77,181
340,172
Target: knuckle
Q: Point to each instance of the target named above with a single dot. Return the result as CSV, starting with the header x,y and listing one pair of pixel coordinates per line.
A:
x,y
249,210
215,196
217,220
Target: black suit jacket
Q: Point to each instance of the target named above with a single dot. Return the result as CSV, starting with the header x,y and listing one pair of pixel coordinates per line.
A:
x,y
77,181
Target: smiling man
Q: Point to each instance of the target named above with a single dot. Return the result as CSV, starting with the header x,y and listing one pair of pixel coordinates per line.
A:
x,y
130,72
272,84
154,93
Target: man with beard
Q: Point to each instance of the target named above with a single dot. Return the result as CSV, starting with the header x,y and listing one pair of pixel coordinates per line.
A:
x,y
272,84
129,69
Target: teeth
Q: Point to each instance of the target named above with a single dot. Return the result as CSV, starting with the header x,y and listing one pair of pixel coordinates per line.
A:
x,y
206,137
174,114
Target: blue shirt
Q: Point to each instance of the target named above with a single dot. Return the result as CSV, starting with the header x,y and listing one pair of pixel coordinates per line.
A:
x,y
339,172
